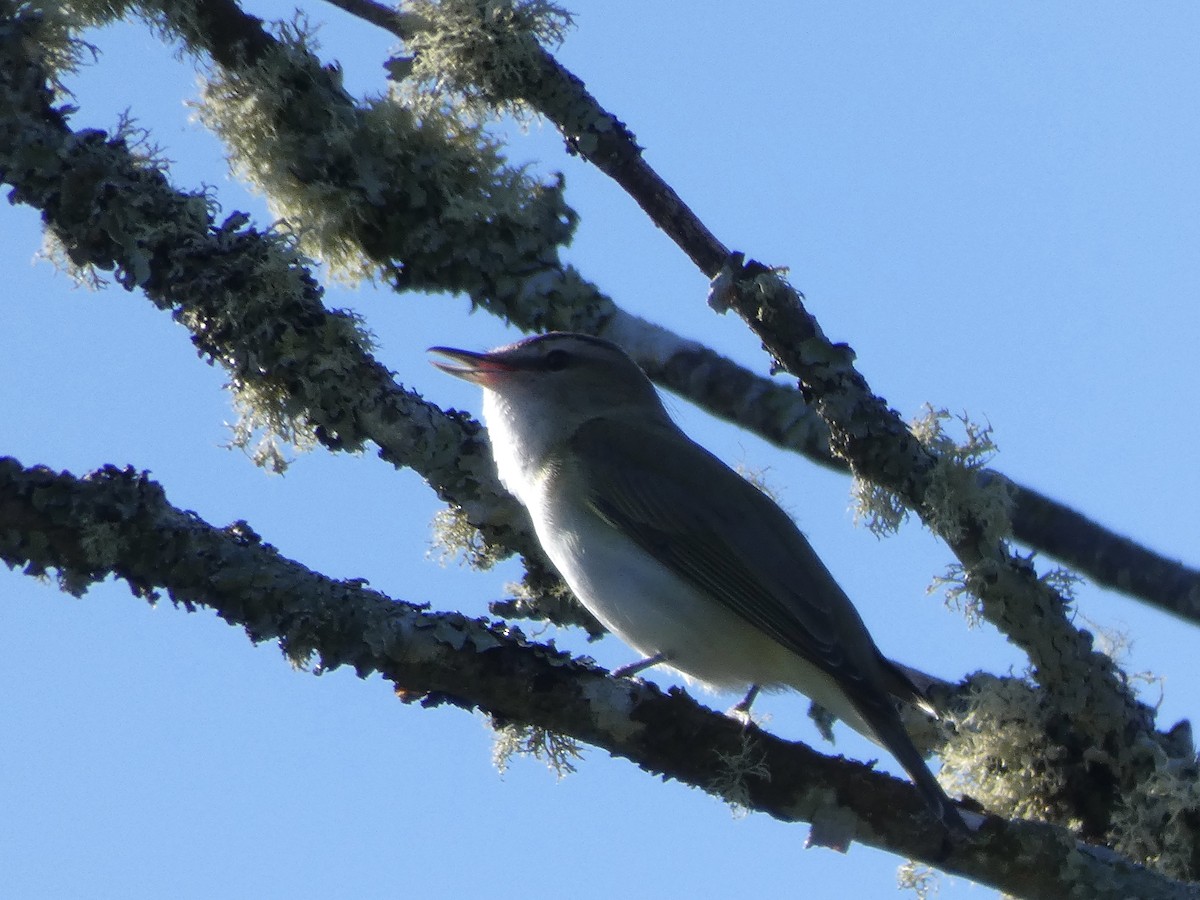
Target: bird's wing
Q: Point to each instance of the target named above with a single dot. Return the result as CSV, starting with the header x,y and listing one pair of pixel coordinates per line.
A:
x,y
693,513
696,515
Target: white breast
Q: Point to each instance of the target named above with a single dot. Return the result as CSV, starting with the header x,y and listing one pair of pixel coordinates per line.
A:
x,y
634,595
655,611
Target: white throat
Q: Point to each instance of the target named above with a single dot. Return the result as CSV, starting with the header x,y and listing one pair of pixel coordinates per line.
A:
x,y
520,443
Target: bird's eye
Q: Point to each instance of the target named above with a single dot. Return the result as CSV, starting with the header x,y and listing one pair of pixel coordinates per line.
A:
x,y
557,360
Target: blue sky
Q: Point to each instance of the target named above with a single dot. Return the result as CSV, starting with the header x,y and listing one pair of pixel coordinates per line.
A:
x,y
990,203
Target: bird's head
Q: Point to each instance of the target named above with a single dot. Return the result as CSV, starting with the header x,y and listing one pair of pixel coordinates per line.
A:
x,y
557,380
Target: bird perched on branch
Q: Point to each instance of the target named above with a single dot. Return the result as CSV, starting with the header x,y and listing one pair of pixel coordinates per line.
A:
x,y
672,550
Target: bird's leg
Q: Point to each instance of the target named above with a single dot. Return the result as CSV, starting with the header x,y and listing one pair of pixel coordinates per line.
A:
x,y
641,665
743,708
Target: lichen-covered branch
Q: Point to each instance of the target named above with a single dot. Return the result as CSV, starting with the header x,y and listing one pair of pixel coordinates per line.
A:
x,y
1084,685
1087,694
360,192
246,295
119,522
107,222
777,413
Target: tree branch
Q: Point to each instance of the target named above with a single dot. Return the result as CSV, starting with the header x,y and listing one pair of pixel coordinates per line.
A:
x,y
81,195
1109,559
1084,685
119,522
246,296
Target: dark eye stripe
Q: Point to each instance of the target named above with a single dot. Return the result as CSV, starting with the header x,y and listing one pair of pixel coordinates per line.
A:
x,y
557,360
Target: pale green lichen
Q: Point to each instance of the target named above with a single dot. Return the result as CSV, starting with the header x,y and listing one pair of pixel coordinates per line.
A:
x,y
555,591
958,594
244,110
757,476
737,768
1062,581
1114,642
1155,822
299,657
455,538
134,223
400,186
542,595
957,499
102,543
269,365
480,54
880,509
403,188
263,429
975,449
54,251
95,13
999,754
58,24
557,751
919,878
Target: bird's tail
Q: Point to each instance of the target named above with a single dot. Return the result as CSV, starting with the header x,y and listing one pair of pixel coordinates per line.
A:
x,y
884,720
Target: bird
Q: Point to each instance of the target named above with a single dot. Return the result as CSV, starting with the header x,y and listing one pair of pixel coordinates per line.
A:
x,y
670,549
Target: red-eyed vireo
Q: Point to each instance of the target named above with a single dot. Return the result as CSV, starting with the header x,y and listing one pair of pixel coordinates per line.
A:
x,y
671,549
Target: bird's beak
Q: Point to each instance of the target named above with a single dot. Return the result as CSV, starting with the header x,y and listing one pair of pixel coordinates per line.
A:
x,y
480,368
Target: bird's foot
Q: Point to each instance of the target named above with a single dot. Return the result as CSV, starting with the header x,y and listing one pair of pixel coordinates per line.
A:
x,y
742,710
640,666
